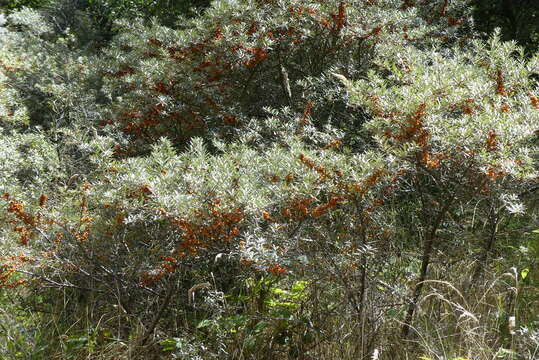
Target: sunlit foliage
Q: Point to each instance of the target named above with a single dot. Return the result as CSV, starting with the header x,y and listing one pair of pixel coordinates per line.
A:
x,y
272,179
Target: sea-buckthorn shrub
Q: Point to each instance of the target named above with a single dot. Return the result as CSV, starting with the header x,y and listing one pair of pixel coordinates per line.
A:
x,y
50,86
29,168
277,179
29,164
47,80
160,224
222,69
463,123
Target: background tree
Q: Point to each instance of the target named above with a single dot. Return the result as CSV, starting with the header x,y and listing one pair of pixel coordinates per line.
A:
x,y
518,20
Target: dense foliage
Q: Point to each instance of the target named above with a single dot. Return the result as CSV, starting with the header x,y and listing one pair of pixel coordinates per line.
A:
x,y
284,179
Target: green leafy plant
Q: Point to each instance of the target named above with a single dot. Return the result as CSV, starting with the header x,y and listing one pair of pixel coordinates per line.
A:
x,y
270,180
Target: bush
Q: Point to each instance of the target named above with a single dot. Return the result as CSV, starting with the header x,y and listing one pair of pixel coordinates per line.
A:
x,y
223,69
273,180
